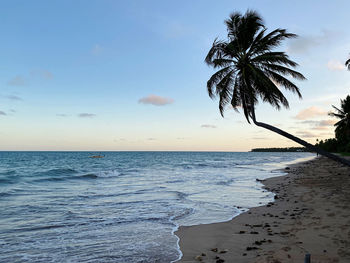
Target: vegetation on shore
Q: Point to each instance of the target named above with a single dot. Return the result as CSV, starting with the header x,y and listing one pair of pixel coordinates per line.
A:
x,y
285,149
341,142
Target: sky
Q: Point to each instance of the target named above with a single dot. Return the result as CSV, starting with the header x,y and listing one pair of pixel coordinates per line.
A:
x,y
109,75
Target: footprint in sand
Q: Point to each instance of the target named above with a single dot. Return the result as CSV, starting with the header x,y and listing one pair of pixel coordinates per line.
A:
x,y
331,214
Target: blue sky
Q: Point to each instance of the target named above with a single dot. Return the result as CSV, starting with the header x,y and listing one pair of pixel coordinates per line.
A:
x,y
130,75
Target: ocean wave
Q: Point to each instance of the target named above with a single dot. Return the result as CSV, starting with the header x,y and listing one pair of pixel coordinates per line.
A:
x,y
55,172
183,214
3,194
180,195
11,172
175,181
7,181
87,176
227,182
207,165
72,175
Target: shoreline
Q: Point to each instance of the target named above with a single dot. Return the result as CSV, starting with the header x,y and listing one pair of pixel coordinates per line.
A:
x,y
240,209
309,215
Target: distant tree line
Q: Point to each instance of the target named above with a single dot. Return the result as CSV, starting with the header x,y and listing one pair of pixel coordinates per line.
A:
x,y
286,149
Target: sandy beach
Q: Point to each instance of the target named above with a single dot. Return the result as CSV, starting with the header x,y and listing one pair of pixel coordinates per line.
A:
x,y
310,214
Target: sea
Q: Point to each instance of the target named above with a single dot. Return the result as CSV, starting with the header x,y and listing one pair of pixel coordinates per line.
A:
x,y
125,207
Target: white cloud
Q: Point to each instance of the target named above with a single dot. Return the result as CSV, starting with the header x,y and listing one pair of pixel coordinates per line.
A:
x,y
326,123
3,113
41,73
17,81
12,97
311,112
208,126
303,44
260,138
156,100
335,65
306,134
320,125
87,115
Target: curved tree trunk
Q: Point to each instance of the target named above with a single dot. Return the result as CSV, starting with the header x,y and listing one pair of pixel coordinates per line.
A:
x,y
300,141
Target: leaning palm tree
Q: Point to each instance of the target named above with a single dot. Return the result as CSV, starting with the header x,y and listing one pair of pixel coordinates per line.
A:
x,y
250,69
342,130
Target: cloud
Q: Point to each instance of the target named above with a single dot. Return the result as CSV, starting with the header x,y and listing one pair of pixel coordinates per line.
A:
x,y
156,100
37,73
303,44
208,126
309,122
319,128
311,112
41,73
306,134
17,81
12,97
86,115
325,123
3,113
320,125
335,65
241,122
97,49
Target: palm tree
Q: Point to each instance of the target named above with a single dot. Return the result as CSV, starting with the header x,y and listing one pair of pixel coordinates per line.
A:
x,y
250,69
342,130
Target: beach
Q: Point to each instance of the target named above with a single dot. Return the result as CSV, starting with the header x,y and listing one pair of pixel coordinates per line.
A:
x,y
310,215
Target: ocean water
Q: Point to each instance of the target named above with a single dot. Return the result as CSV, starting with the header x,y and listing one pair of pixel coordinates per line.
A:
x,y
125,207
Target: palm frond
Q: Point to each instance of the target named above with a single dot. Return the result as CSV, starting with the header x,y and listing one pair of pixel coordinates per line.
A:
x,y
222,62
271,40
284,70
340,116
215,79
268,90
347,64
236,98
224,90
286,83
217,51
274,58
338,110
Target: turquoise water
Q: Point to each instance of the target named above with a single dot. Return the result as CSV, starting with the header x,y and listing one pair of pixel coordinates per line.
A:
x,y
67,207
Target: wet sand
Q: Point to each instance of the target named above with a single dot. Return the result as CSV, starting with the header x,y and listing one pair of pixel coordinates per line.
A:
x,y
311,214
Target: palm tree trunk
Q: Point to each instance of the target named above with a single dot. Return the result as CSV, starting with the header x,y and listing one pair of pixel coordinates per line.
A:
x,y
300,141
